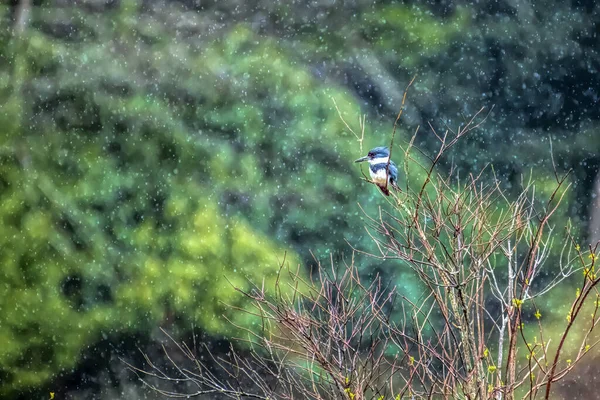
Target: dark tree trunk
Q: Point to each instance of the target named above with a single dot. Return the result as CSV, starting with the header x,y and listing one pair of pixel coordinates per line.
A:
x,y
594,213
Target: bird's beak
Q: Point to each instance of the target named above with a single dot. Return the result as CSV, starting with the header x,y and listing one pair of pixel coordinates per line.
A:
x,y
365,158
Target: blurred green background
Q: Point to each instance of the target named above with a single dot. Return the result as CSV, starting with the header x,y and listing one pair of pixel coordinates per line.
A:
x,y
152,153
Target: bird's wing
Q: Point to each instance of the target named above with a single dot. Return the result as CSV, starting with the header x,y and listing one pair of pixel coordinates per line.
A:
x,y
393,171
393,174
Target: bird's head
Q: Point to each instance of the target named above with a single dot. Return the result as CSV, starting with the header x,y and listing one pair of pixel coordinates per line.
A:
x,y
377,155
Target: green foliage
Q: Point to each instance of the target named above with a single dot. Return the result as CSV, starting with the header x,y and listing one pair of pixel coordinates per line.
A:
x,y
118,202
66,279
141,181
414,30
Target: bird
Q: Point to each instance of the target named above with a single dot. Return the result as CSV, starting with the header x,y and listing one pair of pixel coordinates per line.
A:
x,y
383,171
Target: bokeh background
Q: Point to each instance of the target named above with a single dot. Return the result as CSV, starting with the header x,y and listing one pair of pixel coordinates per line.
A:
x,y
153,152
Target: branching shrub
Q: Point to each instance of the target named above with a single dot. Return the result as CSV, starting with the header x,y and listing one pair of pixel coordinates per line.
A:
x,y
476,332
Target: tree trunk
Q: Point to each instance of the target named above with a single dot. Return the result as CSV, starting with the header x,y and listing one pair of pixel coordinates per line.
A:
x,y
22,17
594,212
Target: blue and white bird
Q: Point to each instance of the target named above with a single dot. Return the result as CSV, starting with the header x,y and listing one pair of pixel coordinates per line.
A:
x,y
384,173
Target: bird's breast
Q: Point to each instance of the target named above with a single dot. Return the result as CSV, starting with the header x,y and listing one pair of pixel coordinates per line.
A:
x,y
379,175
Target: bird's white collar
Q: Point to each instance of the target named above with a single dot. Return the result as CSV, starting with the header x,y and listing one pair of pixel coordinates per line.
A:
x,y
379,160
